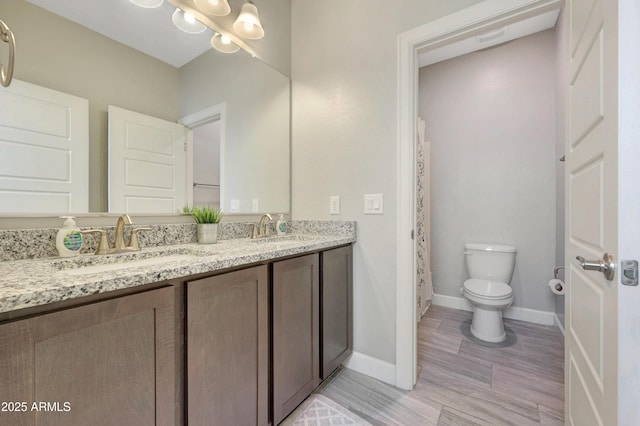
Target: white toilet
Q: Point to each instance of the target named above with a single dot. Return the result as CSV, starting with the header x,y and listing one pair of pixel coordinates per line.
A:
x,y
490,267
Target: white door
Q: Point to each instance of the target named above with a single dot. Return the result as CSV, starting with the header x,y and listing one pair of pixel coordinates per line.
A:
x,y
44,150
591,351
147,163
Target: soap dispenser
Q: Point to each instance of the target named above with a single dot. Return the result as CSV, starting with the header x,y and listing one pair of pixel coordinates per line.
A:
x,y
69,238
281,225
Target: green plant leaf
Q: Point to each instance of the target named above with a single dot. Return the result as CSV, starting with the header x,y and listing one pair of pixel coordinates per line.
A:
x,y
204,214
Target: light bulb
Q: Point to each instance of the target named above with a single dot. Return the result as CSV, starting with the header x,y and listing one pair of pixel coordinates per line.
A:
x,y
213,7
189,18
223,44
187,22
248,25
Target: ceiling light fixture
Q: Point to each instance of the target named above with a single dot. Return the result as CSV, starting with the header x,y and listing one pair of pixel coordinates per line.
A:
x,y
149,4
187,23
214,7
223,44
248,23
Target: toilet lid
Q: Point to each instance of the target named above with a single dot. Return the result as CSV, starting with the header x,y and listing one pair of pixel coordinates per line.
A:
x,y
487,288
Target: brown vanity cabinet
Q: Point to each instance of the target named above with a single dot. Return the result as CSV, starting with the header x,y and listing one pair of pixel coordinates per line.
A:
x,y
228,326
336,308
228,348
243,347
296,368
108,362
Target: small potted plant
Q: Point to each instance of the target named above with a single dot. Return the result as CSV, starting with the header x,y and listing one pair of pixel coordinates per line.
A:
x,y
207,219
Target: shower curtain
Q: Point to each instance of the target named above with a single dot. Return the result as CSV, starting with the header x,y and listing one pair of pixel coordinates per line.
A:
x,y
423,234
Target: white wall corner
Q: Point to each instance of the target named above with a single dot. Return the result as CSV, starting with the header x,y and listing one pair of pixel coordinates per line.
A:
x,y
372,367
522,314
559,324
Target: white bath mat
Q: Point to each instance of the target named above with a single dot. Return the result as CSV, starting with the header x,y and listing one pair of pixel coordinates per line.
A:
x,y
318,410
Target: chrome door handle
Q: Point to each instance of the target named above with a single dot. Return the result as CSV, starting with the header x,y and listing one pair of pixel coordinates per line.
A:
x,y
6,73
607,265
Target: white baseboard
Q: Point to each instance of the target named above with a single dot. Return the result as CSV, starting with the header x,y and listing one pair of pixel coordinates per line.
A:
x,y
452,302
372,367
514,312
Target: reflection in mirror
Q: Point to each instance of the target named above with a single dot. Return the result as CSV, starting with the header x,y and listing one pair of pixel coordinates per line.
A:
x,y
251,100
206,163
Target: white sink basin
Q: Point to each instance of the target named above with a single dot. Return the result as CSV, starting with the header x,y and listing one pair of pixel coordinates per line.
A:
x,y
106,267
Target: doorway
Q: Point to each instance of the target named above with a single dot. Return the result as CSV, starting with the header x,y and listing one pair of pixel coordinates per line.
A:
x,y
480,19
206,164
205,156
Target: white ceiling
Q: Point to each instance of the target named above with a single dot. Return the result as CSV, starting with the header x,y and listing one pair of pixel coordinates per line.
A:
x,y
511,32
150,31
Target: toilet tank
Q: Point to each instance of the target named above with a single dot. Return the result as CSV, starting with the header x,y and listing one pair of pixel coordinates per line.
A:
x,y
490,261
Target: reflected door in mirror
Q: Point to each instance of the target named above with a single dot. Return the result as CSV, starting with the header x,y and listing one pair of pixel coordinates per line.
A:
x,y
44,150
147,163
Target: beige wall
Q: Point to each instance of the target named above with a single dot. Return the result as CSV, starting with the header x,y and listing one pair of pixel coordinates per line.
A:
x,y
344,62
65,56
491,120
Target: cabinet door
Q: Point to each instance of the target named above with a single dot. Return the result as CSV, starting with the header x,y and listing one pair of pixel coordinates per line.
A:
x,y
296,371
228,349
336,315
106,363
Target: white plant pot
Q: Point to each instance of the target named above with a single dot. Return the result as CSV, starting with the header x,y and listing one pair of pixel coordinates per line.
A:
x,y
207,233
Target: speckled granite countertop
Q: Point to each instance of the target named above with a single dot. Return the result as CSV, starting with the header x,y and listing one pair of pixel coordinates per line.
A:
x,y
28,283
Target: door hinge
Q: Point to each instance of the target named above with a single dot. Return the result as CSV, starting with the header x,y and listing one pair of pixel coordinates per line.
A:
x,y
185,147
413,236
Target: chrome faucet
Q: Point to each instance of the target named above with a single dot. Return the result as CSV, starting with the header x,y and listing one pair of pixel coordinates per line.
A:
x,y
263,229
119,245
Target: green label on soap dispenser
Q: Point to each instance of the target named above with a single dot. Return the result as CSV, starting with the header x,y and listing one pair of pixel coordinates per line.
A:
x,y
73,240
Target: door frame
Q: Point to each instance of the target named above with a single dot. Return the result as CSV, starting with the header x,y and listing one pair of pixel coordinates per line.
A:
x,y
628,208
480,18
197,119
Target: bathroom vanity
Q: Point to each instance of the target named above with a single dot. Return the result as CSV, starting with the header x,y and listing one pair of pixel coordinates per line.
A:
x,y
238,332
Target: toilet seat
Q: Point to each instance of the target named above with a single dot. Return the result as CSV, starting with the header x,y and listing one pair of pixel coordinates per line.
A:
x,y
488,289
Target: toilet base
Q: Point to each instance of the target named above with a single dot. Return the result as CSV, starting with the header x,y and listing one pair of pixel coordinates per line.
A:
x,y
487,325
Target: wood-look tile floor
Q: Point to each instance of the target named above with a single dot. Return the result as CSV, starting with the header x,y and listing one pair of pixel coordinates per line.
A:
x,y
464,381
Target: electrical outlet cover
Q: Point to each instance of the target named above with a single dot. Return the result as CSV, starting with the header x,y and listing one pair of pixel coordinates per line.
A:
x,y
334,204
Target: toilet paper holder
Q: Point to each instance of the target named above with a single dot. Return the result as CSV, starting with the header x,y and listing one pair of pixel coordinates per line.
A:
x,y
556,270
556,285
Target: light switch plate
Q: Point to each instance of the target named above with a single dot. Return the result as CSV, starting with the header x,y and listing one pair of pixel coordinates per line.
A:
x,y
334,204
373,204
235,205
255,205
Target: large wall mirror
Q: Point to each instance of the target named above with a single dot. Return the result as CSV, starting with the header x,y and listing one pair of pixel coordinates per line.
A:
x,y
234,109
